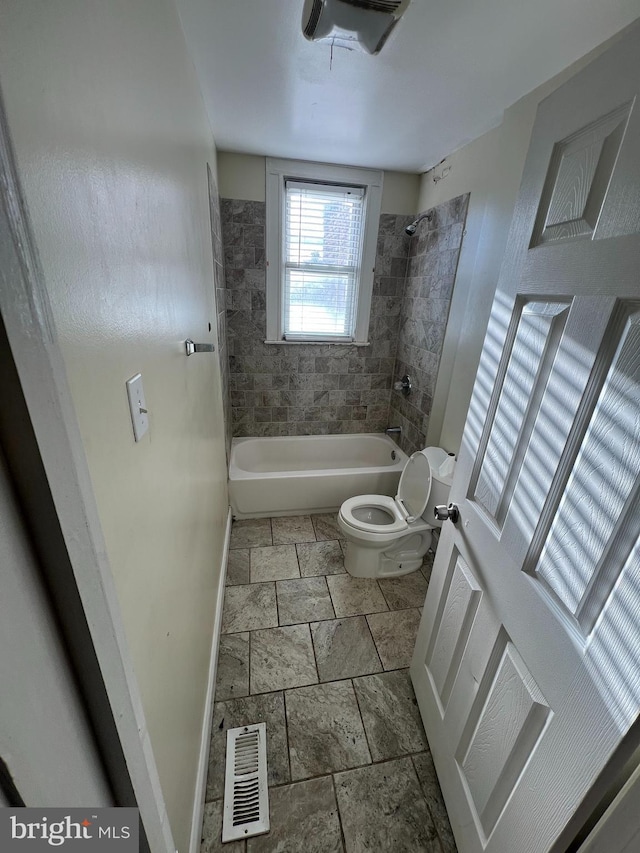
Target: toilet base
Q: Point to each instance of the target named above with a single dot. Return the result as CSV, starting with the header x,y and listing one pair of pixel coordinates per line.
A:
x,y
361,561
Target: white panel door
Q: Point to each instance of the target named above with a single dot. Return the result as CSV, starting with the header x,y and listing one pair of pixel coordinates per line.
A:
x,y
527,662
45,738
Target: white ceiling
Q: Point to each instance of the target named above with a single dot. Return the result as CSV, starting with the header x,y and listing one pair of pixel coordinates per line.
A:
x,y
445,76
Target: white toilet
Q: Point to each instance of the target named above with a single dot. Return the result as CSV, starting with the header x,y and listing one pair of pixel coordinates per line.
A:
x,y
390,536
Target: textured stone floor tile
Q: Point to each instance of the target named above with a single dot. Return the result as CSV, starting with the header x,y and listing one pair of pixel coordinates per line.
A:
x,y
395,636
267,708
304,817
212,832
238,567
292,529
273,563
232,678
390,714
320,558
382,809
326,527
344,648
281,658
433,795
303,600
251,532
325,730
247,608
405,591
355,596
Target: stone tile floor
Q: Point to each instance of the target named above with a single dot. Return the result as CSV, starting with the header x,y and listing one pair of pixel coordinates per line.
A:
x,y
323,659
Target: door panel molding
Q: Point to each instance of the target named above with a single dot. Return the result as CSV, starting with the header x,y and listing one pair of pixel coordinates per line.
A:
x,y
539,703
503,728
599,492
451,631
528,362
579,174
620,316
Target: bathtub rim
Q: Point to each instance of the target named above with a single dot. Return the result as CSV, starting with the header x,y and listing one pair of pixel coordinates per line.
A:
x,y
243,474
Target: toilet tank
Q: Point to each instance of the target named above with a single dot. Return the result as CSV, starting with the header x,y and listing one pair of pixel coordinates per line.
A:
x,y
442,466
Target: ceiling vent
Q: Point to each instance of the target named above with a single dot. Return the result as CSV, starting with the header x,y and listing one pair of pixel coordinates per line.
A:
x,y
354,24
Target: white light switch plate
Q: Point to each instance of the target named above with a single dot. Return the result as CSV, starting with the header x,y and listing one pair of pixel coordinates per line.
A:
x,y
138,406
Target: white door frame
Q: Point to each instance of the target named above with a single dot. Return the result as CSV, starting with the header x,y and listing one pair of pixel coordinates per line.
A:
x,y
603,800
618,830
41,439
49,753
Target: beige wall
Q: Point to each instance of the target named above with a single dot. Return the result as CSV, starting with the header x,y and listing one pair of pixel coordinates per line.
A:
x,y
243,176
400,193
490,169
112,143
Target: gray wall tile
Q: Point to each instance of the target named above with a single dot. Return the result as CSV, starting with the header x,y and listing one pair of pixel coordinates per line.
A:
x,y
431,268
221,304
326,389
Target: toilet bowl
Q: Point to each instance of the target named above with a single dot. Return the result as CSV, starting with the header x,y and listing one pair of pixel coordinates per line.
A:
x,y
390,536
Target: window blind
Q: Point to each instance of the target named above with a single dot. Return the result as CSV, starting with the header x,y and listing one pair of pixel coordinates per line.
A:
x,y
323,238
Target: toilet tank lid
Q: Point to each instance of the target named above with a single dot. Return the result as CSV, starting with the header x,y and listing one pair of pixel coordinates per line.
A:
x,y
442,464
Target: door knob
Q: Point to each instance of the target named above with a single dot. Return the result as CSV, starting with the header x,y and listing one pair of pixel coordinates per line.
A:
x,y
444,513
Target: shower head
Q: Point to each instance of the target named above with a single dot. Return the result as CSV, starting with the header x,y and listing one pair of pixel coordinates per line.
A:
x,y
411,229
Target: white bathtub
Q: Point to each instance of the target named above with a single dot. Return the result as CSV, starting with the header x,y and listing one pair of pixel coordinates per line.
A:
x,y
310,473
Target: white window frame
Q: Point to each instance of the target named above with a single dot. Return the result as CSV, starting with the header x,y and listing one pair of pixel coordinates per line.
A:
x,y
277,172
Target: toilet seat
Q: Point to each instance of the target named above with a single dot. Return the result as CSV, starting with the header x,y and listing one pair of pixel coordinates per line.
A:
x,y
397,525
405,509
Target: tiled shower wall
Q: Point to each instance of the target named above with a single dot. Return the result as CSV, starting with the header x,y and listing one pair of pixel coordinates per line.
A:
x,y
306,389
431,271
311,389
220,292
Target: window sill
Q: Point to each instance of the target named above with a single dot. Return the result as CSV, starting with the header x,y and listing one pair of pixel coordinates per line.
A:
x,y
320,343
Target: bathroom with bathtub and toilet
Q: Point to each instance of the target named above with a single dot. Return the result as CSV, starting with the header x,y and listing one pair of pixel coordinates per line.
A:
x,y
319,435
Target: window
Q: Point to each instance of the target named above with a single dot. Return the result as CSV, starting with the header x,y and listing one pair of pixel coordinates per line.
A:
x,y
322,224
322,260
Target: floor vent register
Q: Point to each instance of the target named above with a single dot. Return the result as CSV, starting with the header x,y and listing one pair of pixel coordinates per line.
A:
x,y
246,795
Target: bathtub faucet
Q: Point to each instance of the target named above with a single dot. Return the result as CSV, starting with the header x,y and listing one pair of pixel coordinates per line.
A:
x,y
393,430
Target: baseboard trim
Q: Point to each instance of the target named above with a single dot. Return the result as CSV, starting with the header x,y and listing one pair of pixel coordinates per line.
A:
x,y
203,761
